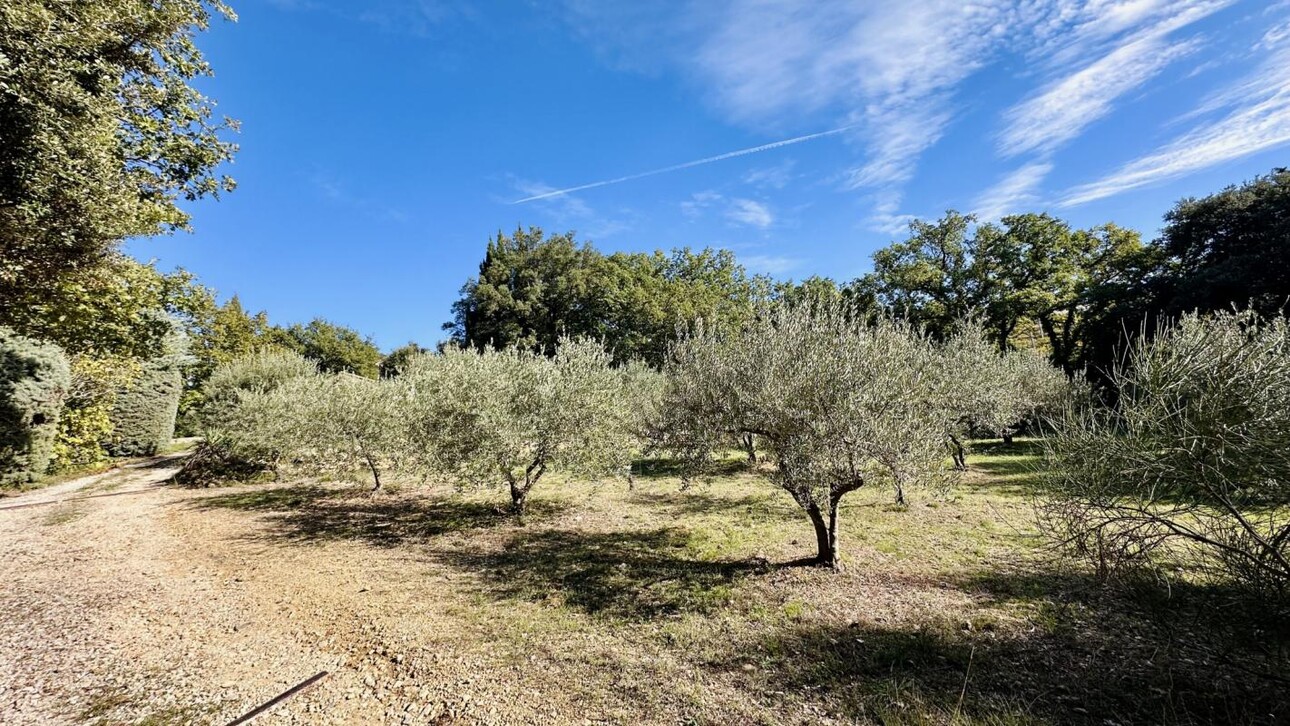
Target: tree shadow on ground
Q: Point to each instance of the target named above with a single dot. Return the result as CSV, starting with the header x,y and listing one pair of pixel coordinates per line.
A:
x,y
313,513
1083,655
699,502
669,468
998,447
627,575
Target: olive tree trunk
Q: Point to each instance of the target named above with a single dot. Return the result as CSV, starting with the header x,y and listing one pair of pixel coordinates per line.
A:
x,y
826,535
958,452
520,487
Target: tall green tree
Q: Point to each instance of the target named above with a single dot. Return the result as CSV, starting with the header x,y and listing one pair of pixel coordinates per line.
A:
x,y
102,133
532,289
393,365
229,334
1080,288
335,348
1074,284
1231,248
119,308
931,279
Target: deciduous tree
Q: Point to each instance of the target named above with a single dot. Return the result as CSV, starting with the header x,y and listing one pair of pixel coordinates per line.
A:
x,y
102,132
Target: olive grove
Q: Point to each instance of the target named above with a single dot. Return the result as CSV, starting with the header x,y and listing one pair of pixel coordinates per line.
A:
x,y
476,418
995,393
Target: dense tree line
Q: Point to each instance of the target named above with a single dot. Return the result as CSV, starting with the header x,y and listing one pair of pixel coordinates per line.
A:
x,y
533,288
1033,281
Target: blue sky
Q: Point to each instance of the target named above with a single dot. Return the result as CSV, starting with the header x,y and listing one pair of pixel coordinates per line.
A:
x,y
384,141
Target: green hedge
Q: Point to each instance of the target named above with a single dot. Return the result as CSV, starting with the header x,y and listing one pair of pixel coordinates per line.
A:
x,y
143,417
34,380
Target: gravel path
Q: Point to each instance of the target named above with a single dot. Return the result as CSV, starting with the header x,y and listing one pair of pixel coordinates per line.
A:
x,y
146,607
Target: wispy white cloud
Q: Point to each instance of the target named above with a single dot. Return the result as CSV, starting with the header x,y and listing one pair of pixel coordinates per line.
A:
x,y
893,68
570,211
1061,112
771,177
1015,190
699,201
770,264
887,217
1136,44
1257,119
750,212
896,69
889,66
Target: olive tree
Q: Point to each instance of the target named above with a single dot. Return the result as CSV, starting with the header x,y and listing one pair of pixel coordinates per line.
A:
x,y
1192,462
259,406
352,422
257,372
509,416
247,422
836,404
641,398
993,392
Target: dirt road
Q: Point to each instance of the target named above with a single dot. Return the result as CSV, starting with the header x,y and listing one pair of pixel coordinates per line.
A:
x,y
128,601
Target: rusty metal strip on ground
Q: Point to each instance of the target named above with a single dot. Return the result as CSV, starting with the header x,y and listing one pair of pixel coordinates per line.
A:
x,y
280,698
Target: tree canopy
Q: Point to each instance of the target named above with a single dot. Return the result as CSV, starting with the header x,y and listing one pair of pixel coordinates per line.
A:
x,y
1231,248
532,289
1075,286
102,133
335,348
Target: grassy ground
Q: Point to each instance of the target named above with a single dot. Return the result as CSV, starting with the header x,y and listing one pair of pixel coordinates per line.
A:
x,y
682,605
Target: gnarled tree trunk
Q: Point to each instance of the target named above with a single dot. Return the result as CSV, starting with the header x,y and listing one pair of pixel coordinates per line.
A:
x,y
958,452
519,498
826,535
520,488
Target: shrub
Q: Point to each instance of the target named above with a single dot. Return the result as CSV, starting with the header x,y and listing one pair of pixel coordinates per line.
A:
x,y
259,372
86,421
143,414
509,416
1192,464
835,404
246,423
34,379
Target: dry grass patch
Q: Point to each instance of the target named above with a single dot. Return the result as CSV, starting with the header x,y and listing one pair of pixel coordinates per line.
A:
x,y
670,605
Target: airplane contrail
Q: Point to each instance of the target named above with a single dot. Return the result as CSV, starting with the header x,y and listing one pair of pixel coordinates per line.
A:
x,y
686,165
